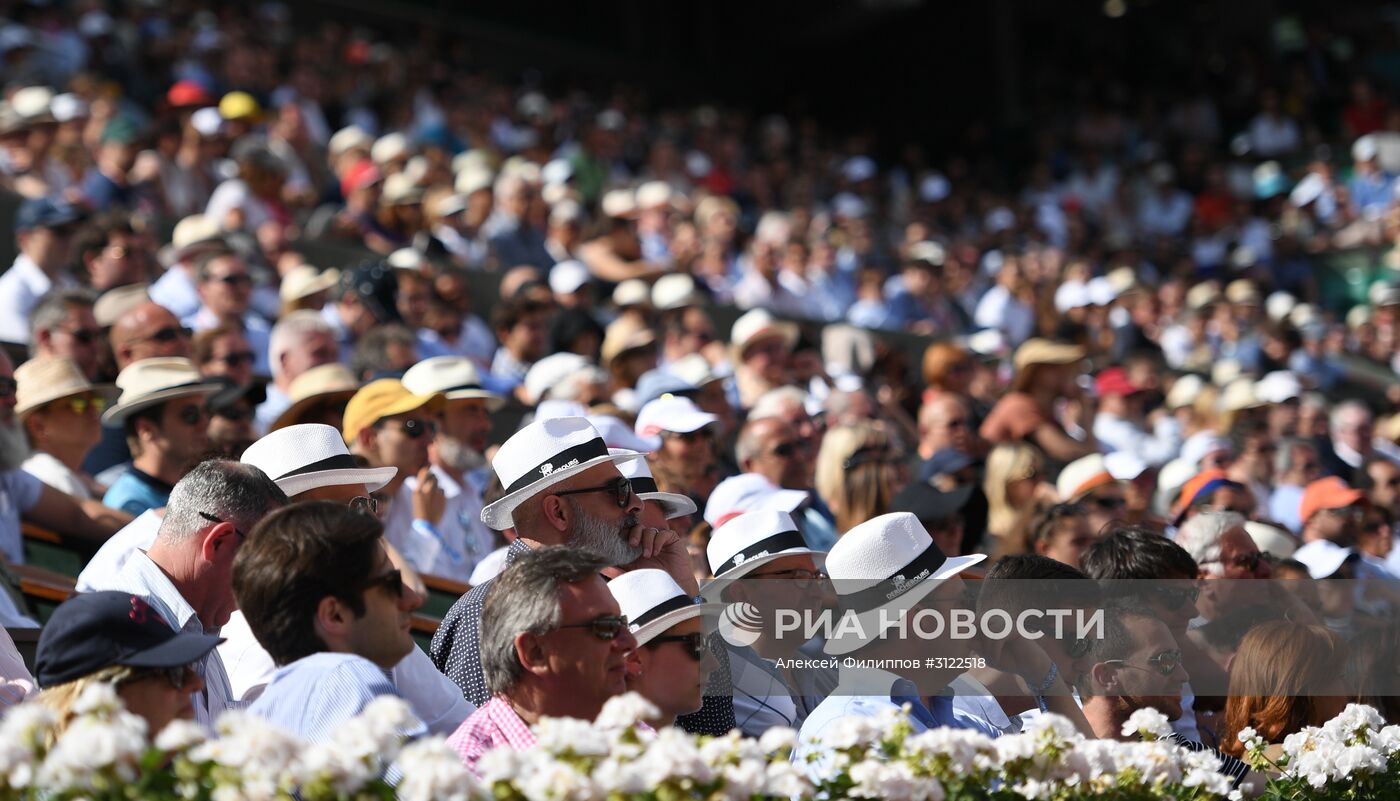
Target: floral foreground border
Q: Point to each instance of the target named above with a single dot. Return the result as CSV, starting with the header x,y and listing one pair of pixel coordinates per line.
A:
x,y
105,756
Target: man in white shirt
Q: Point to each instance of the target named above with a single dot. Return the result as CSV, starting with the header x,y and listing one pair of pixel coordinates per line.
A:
x,y
300,341
44,230
1118,426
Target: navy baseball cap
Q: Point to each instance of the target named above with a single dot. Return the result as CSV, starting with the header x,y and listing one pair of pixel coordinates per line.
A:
x,y
930,505
46,212
376,285
98,630
948,460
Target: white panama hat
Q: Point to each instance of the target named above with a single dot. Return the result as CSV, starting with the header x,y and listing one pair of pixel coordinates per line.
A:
x,y
455,377
307,456
653,602
673,504
754,539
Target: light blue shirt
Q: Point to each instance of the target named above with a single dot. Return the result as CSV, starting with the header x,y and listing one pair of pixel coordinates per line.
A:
x,y
314,695
1284,506
21,287
176,292
134,495
19,491
144,578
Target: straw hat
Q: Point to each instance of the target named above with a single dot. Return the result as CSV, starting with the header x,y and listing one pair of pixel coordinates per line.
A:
x,y
380,399
151,382
300,458
653,602
541,455
306,280
753,539
48,379
673,504
115,303
625,334
455,377
326,382
1044,351
757,325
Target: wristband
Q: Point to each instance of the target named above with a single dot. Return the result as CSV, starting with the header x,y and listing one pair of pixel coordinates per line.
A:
x,y
1048,681
424,527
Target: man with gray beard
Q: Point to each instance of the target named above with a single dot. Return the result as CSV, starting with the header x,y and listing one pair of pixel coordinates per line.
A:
x,y
457,455
85,524
562,487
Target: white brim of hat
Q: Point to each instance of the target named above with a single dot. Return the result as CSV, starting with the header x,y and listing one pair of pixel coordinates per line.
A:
x,y
646,633
374,478
686,423
750,565
499,515
493,401
121,411
870,620
673,504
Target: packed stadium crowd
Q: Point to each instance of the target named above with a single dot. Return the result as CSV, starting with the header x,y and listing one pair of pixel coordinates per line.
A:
x,y
1132,371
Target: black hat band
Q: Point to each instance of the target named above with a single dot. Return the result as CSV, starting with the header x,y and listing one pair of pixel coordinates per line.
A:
x,y
566,458
905,579
782,541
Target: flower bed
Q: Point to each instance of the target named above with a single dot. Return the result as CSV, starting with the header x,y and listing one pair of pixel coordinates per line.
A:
x,y
105,754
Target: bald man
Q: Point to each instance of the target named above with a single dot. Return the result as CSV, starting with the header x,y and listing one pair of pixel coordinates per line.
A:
x,y
944,422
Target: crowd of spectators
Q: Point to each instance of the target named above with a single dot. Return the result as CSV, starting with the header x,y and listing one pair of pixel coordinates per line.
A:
x,y
1136,371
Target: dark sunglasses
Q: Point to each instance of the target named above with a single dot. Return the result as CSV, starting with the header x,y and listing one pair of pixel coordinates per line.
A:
x,y
1109,503
605,628
8,387
178,677
170,333
191,415
694,643
237,279
786,450
1164,663
416,428
391,581
1176,597
366,504
84,336
1355,512
213,519
234,360
702,433
621,489
236,413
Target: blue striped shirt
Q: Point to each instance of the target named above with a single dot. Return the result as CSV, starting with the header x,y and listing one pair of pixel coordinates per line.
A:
x,y
314,695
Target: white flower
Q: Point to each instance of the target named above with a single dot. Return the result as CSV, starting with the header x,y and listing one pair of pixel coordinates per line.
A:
x,y
94,751
98,698
626,710
180,735
959,749
1354,719
1250,738
785,779
778,740
855,730
892,781
571,736
432,771
23,732
1147,723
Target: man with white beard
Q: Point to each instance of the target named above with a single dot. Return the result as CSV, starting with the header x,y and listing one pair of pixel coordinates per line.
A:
x,y
457,456
85,523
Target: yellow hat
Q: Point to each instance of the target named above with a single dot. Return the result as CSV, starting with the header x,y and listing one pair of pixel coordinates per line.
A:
x,y
380,399
239,105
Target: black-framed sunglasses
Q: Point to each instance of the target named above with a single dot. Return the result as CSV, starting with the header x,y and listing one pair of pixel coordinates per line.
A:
x,y
1164,663
786,450
1175,598
178,677
365,504
701,433
236,359
621,488
1110,503
606,628
8,386
192,415
416,427
234,412
213,519
391,581
236,279
695,644
800,577
83,336
170,333
1078,647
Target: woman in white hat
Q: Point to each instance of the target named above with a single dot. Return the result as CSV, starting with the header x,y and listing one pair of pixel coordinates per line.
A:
x,y
61,414
672,663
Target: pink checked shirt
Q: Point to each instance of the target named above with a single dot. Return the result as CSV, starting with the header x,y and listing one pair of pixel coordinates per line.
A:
x,y
494,725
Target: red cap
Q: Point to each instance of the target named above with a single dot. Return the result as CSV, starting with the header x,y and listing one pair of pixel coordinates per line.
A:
x,y
188,93
1114,381
1327,493
360,175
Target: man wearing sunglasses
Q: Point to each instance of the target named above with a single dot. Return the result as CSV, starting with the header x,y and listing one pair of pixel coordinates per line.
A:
x,y
1087,482
1137,665
61,414
63,325
44,230
554,643
226,293
317,589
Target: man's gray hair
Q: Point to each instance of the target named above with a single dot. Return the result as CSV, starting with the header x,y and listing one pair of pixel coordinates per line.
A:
x,y
1284,460
1200,536
221,488
525,598
775,402
290,331
53,310
1346,409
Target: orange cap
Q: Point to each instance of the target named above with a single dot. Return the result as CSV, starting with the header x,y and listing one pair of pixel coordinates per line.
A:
x,y
1193,487
1327,493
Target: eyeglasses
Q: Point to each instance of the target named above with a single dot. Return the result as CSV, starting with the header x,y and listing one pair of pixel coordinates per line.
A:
x,y
366,504
83,336
1164,663
391,581
695,643
236,359
191,415
8,387
1354,512
1176,597
213,519
785,450
415,428
620,488
235,413
170,333
605,628
80,405
178,677
1111,502
798,576
236,279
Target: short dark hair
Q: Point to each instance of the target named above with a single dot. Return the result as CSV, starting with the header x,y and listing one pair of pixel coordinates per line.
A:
x,y
509,314
1028,581
201,264
525,598
93,235
1116,642
1048,522
1136,552
293,559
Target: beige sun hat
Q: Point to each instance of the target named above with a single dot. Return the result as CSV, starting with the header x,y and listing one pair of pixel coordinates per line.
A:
x,y
306,280
757,325
49,378
326,382
624,334
151,382
115,303
1044,351
454,377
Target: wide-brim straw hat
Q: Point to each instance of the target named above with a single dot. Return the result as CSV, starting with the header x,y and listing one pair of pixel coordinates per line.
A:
x,y
321,384
151,382
50,378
